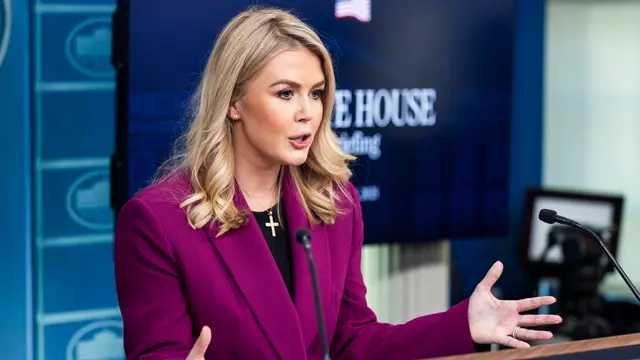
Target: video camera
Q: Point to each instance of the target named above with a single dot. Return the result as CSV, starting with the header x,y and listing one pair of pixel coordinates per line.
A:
x,y
565,262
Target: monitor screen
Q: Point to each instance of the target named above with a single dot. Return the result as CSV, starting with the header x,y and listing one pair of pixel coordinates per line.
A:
x,y
423,100
545,248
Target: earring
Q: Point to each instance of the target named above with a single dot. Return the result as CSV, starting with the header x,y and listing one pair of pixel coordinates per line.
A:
x,y
235,116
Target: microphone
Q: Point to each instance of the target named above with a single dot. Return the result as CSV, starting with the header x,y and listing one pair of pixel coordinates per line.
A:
x,y
303,236
551,217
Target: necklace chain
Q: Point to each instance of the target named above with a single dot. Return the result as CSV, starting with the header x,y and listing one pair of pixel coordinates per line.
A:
x,y
271,223
269,209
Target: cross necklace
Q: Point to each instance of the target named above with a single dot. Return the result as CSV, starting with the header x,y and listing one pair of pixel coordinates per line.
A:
x,y
271,224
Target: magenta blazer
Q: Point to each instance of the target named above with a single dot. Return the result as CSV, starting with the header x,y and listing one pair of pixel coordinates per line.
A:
x,y
171,280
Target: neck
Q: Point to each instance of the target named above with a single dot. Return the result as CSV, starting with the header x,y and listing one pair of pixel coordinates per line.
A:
x,y
258,182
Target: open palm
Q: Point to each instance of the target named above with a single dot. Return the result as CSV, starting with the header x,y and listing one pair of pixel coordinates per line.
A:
x,y
492,321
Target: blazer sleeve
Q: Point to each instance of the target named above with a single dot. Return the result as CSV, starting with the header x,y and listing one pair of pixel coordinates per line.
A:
x,y
156,324
360,336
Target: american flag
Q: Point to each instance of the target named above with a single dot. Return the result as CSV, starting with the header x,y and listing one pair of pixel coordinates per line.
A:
x,y
358,9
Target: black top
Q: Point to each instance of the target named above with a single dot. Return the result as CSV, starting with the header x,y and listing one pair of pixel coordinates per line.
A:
x,y
277,237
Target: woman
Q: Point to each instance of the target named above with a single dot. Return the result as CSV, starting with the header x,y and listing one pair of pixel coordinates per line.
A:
x,y
206,260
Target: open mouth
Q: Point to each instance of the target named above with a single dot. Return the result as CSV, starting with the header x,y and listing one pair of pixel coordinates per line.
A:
x,y
301,141
301,138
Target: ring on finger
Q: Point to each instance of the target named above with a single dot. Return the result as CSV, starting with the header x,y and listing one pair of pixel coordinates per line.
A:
x,y
514,333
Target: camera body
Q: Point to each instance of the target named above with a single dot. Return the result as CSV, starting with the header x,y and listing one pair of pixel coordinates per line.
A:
x,y
582,269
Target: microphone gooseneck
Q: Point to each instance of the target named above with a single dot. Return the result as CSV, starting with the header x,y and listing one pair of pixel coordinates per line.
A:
x,y
551,217
303,236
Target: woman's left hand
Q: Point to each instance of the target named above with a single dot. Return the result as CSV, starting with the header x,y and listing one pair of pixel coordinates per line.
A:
x,y
492,321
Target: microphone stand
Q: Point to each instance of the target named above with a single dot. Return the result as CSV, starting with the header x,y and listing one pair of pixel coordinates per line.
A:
x,y
303,236
550,216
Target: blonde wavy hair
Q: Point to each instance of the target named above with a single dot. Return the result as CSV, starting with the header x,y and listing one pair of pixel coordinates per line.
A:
x,y
244,46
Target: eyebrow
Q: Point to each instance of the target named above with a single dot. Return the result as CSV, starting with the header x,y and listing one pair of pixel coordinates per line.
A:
x,y
295,84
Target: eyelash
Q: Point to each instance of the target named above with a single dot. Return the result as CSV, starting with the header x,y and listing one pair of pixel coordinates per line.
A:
x,y
281,93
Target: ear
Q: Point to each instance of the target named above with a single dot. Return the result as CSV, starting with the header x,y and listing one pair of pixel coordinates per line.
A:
x,y
233,113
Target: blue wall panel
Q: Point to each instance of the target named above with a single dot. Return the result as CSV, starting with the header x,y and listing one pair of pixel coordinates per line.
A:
x,y
15,183
74,122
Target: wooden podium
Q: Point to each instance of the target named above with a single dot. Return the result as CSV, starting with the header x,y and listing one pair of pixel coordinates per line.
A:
x,y
624,347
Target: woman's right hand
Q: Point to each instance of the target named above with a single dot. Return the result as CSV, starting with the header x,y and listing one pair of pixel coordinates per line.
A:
x,y
200,347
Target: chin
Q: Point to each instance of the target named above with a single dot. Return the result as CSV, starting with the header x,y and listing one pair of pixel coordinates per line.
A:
x,y
295,159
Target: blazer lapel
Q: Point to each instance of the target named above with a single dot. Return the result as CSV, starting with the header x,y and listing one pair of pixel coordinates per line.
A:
x,y
303,291
250,263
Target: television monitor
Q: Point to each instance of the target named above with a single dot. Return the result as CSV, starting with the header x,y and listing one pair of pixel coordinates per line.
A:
x,y
544,247
423,100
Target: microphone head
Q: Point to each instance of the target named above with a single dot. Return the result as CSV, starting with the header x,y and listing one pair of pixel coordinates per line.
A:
x,y
303,236
548,216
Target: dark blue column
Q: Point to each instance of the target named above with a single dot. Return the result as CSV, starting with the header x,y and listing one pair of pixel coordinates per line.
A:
x,y
473,257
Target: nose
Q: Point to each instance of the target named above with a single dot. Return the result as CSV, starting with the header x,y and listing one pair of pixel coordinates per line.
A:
x,y
303,114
